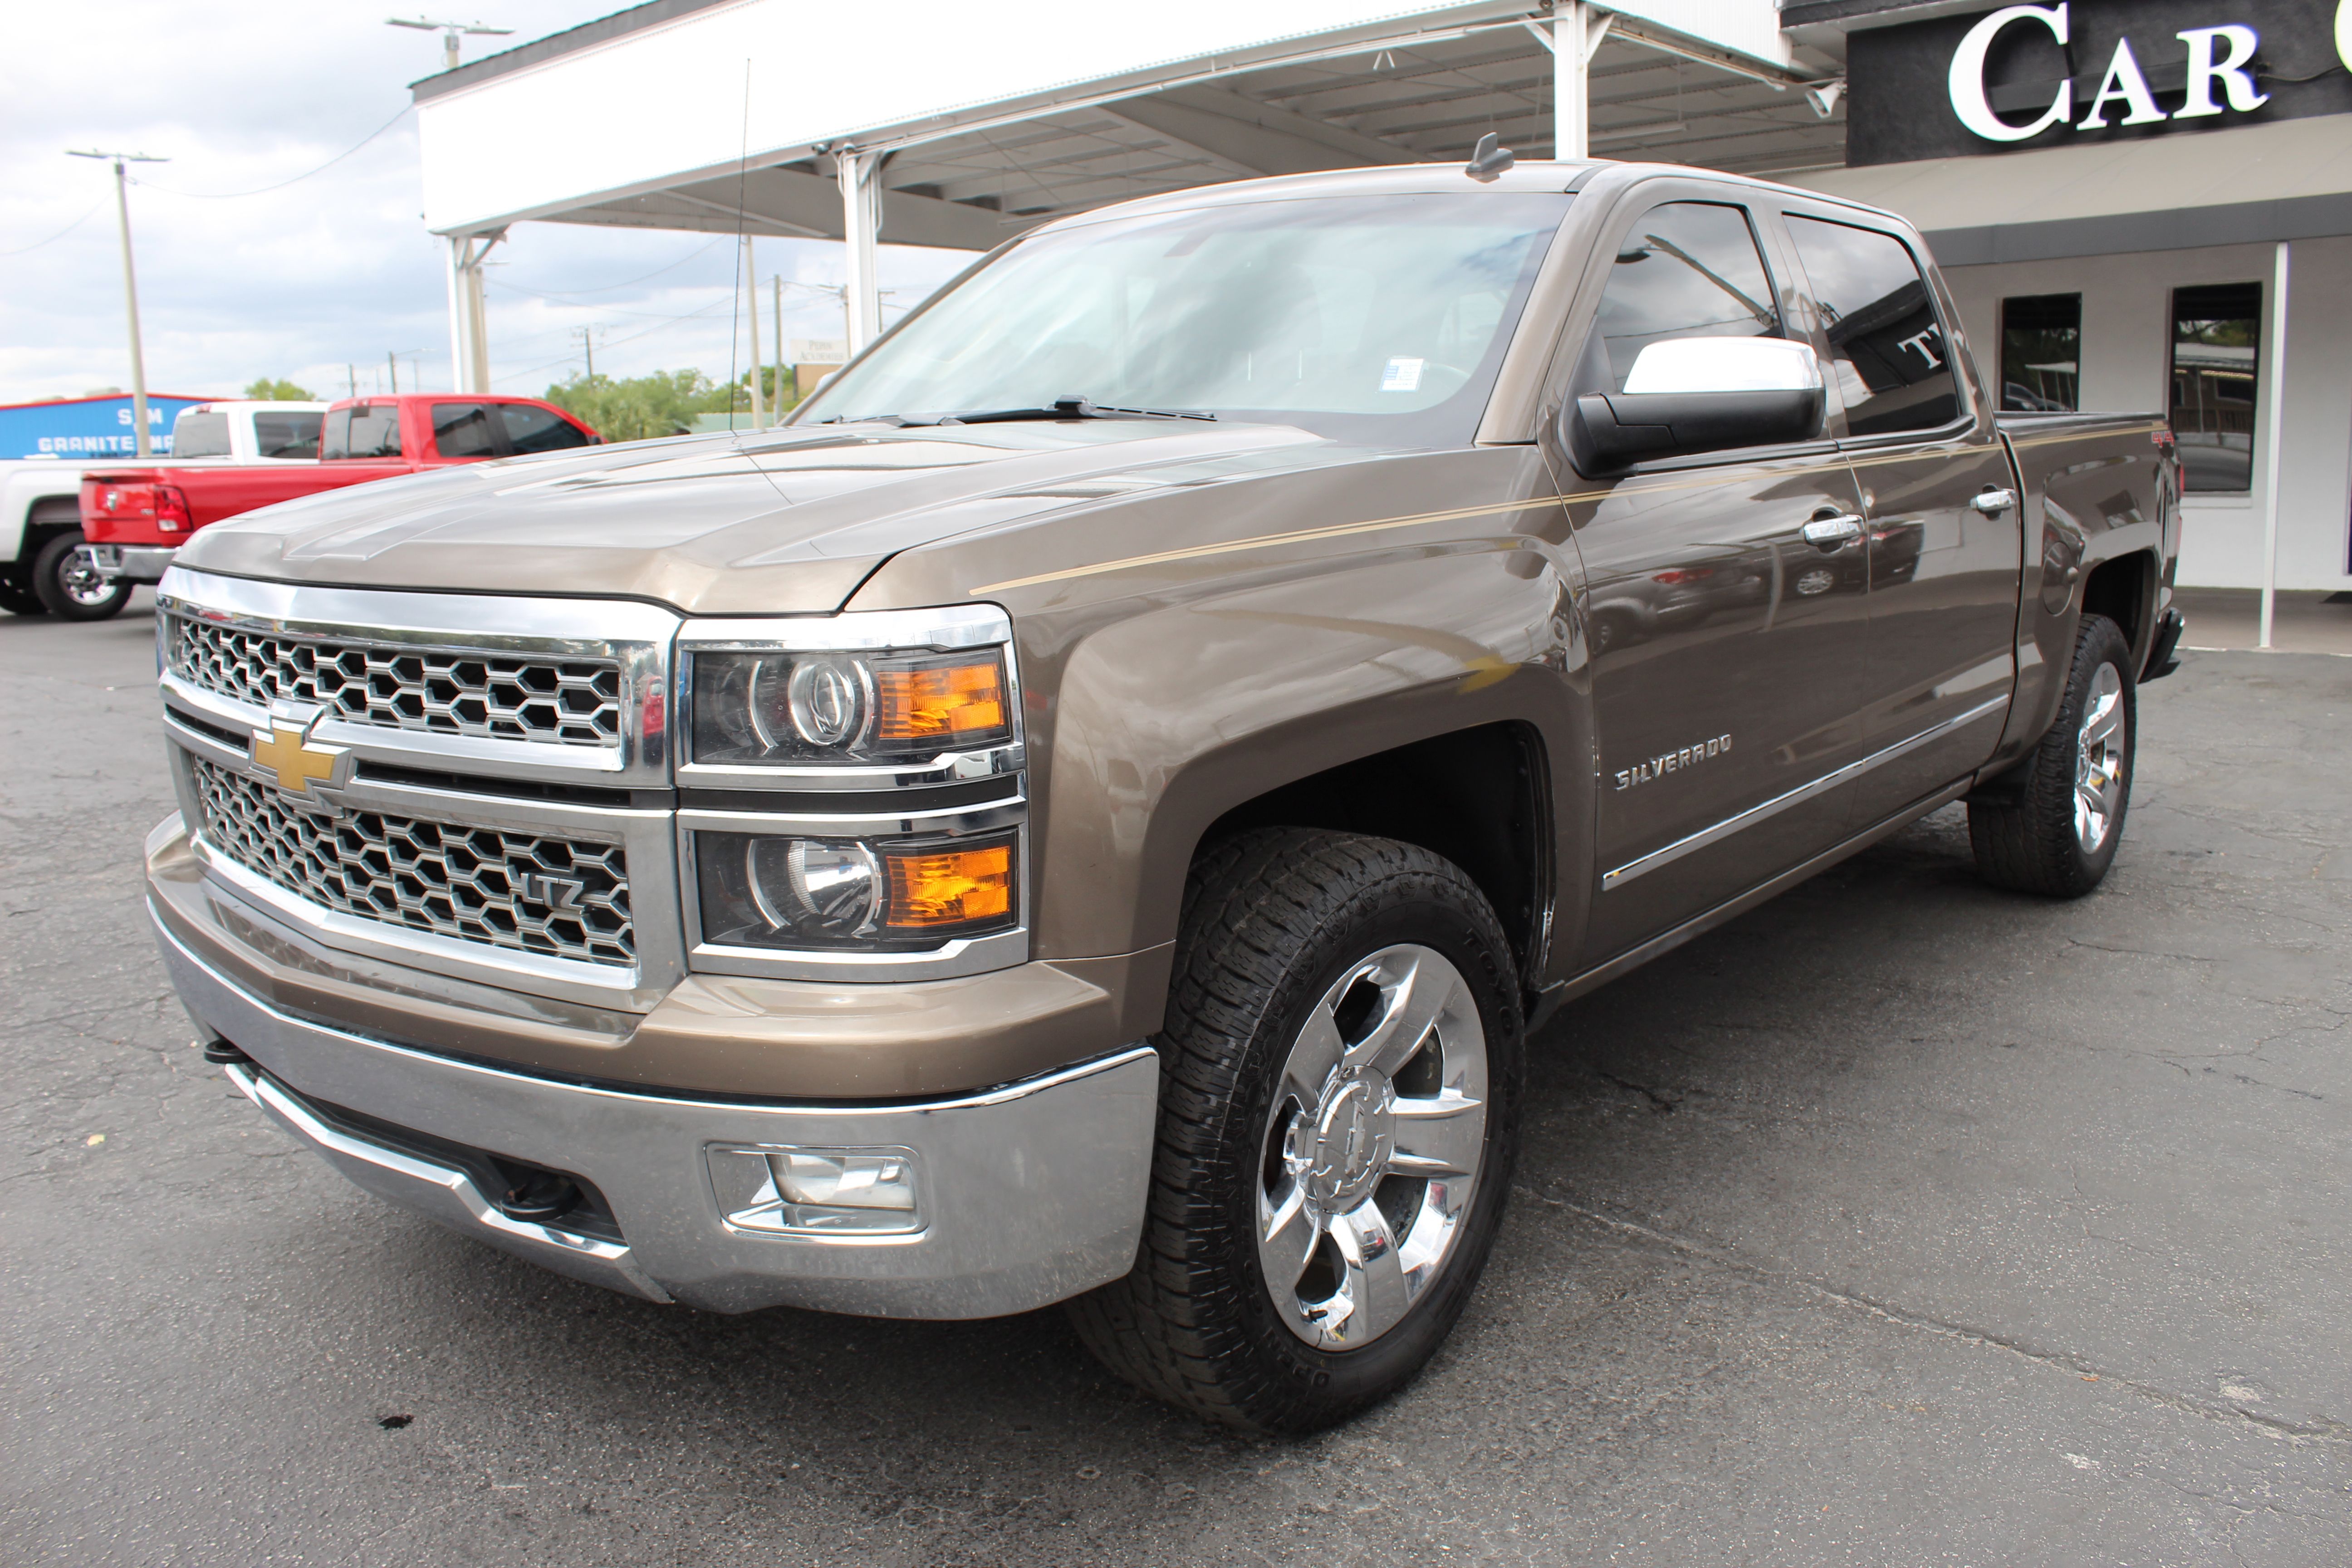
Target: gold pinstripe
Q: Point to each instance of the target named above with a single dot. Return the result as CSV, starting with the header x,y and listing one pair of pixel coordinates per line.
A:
x,y
1378,525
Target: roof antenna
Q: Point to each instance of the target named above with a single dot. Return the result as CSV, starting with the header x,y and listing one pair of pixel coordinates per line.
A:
x,y
1489,158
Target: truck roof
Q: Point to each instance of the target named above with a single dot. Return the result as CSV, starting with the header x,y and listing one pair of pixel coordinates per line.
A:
x,y
1526,177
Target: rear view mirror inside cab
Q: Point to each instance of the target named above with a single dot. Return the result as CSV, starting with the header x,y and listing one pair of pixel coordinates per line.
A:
x,y
1688,396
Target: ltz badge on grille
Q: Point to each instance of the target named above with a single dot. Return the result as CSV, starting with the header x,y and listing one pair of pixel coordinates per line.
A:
x,y
303,767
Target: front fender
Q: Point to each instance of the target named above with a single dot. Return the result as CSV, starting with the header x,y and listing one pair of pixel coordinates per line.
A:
x,y
1167,720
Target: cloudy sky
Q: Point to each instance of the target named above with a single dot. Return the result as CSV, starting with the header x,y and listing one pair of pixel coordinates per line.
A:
x,y
331,271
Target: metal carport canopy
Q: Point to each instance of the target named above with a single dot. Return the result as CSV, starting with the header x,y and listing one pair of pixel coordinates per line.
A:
x,y
984,118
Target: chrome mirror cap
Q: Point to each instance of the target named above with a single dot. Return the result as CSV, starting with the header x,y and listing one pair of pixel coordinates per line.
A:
x,y
1681,365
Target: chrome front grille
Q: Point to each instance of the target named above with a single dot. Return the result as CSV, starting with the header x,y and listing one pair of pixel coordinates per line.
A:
x,y
573,703
529,892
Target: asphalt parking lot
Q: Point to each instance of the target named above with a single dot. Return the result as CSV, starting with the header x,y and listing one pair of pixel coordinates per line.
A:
x,y
1899,1222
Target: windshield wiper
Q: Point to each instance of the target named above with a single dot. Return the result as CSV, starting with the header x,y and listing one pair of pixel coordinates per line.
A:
x,y
1060,408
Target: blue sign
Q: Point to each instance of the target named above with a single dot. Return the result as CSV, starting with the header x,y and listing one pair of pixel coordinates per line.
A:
x,y
80,429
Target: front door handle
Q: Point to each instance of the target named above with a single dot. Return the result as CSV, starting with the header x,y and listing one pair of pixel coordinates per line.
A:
x,y
1993,502
1838,528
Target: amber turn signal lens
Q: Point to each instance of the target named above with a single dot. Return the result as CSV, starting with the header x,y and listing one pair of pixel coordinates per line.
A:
x,y
940,702
931,888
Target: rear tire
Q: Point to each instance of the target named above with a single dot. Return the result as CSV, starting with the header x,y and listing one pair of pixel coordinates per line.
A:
x,y
1342,1047
71,592
2057,835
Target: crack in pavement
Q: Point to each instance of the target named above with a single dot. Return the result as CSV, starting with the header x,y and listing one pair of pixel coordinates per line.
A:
x,y
2323,1431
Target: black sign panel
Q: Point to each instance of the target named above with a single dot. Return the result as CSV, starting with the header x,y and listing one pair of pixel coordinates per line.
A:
x,y
2001,79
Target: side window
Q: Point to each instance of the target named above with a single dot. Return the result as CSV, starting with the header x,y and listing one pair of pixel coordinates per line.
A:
x,y
1893,369
363,430
287,435
532,429
463,430
1687,269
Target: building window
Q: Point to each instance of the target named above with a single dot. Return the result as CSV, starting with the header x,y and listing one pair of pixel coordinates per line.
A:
x,y
2215,329
2042,353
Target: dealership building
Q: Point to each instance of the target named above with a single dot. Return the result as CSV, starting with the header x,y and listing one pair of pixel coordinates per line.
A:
x,y
2139,203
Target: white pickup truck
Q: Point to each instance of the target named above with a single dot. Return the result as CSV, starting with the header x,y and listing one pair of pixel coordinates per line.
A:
x,y
40,502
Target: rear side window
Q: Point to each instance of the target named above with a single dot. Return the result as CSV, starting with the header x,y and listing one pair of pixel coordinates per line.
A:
x,y
464,430
362,430
196,434
1687,269
1893,369
288,435
533,430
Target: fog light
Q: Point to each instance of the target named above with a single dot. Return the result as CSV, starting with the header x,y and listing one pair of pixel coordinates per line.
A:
x,y
815,1192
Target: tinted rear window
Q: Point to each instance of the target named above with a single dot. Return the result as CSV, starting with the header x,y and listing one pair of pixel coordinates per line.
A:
x,y
530,429
197,434
288,435
363,430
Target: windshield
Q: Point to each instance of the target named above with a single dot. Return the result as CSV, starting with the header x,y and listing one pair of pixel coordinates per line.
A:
x,y
200,434
1373,319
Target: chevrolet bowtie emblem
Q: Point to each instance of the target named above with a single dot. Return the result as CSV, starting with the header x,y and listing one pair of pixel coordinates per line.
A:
x,y
297,760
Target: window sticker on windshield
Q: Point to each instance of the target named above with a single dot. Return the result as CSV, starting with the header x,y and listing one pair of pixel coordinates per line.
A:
x,y
1401,375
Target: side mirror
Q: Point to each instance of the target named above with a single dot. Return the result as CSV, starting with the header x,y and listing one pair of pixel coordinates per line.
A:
x,y
1700,394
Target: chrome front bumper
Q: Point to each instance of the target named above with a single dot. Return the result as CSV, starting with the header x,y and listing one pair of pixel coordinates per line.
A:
x,y
139,563
1026,1195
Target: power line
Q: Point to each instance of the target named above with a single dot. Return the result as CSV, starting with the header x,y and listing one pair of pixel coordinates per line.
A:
x,y
615,343
607,288
264,190
61,233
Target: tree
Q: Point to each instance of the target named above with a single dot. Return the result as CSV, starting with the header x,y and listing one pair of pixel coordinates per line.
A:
x,y
265,390
641,408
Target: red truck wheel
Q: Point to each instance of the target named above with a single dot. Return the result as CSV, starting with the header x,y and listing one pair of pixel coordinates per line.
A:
x,y
1339,1092
70,591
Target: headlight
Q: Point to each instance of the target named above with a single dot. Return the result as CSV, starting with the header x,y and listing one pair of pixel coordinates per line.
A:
x,y
801,707
760,890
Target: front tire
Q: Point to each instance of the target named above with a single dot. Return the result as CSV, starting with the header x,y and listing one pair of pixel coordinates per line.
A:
x,y
2057,835
70,591
18,601
1339,1101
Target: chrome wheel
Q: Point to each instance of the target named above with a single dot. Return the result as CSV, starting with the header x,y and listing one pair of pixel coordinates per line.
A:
x,y
2099,760
81,582
1374,1148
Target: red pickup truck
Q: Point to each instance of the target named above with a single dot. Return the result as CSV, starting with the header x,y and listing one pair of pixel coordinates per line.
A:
x,y
134,520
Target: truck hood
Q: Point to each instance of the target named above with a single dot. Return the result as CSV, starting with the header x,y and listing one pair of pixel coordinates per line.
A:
x,y
785,522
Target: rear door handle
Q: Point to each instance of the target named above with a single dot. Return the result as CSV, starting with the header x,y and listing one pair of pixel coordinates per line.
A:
x,y
1993,502
1836,529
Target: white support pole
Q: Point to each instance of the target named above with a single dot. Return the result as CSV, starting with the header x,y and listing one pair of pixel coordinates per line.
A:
x,y
1572,135
861,216
478,317
752,304
1577,29
460,377
2275,436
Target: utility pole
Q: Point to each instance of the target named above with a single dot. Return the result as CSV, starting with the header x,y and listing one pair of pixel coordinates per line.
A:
x,y
129,287
588,336
752,298
390,360
448,31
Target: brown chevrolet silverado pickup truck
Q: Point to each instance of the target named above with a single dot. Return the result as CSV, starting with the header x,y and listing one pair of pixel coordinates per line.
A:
x,y
1092,810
